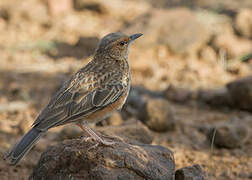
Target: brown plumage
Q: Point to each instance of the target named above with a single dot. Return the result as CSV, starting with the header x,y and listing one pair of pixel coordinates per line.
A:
x,y
93,93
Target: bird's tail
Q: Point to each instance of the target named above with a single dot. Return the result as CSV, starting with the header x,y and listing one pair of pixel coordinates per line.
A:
x,y
24,145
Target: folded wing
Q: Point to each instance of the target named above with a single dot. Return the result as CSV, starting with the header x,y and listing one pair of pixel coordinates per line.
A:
x,y
78,100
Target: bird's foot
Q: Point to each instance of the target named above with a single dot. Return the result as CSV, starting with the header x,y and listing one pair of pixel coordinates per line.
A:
x,y
97,142
100,142
106,143
94,137
86,139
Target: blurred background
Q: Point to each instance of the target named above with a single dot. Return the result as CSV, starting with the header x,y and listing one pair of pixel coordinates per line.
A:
x,y
190,74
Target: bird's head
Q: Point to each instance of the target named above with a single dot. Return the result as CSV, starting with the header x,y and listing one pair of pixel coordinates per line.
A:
x,y
116,45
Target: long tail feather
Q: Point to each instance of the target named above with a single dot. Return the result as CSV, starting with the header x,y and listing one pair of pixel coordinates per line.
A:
x,y
24,145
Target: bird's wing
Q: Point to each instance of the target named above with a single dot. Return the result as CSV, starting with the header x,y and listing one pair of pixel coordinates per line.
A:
x,y
79,98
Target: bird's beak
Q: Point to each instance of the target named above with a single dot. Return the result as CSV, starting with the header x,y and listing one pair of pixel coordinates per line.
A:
x,y
135,36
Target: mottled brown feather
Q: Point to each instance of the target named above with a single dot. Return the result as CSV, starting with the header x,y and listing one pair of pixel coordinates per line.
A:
x,y
89,90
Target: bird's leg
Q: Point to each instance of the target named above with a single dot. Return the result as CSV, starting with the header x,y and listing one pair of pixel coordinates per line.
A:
x,y
94,136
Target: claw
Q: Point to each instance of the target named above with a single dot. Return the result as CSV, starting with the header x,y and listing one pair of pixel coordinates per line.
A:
x,y
94,146
86,139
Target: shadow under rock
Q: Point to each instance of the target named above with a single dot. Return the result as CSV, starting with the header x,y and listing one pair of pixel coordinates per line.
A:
x,y
84,48
36,87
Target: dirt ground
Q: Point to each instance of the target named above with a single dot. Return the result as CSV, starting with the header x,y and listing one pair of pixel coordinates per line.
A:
x,y
202,45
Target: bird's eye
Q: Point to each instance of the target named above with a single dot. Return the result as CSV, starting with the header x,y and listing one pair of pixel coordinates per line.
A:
x,y
122,43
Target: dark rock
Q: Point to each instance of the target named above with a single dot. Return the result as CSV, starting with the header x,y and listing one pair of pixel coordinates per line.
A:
x,y
194,172
236,94
73,160
179,95
215,97
159,115
231,135
241,93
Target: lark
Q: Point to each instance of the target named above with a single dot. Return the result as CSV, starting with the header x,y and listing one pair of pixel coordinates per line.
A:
x,y
90,95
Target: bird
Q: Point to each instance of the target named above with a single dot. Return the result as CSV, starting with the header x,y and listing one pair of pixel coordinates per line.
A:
x,y
93,93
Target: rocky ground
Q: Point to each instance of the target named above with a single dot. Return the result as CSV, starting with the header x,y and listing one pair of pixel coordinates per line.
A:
x,y
191,74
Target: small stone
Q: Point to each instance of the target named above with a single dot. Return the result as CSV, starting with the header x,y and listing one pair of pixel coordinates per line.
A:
x,y
179,95
241,93
194,172
231,135
159,115
215,97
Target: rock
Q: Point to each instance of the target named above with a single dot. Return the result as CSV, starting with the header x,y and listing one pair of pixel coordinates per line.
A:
x,y
243,22
181,32
231,135
241,93
236,94
180,95
159,115
194,172
73,160
130,131
215,97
